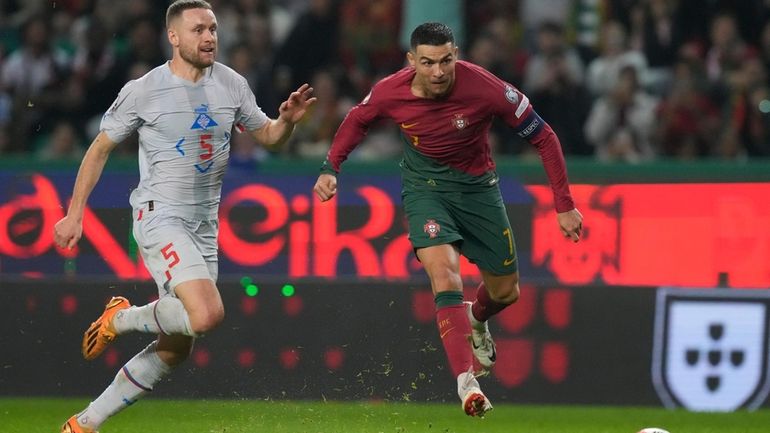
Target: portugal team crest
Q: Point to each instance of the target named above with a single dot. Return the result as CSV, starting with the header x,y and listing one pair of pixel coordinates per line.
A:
x,y
432,228
710,349
460,122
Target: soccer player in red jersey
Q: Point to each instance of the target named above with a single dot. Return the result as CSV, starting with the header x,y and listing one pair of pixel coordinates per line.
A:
x,y
451,197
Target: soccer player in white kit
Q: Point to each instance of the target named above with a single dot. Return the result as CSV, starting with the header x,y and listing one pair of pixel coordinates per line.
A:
x,y
184,112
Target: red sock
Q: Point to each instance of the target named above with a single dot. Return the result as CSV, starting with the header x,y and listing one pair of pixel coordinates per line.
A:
x,y
484,307
454,329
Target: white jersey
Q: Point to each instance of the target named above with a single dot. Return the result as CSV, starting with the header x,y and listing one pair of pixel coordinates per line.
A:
x,y
184,135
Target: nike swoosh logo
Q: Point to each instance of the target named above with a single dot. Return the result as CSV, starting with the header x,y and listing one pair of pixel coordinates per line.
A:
x,y
492,357
447,332
407,126
507,262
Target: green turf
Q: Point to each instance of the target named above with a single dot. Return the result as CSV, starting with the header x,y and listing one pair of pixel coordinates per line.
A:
x,y
231,416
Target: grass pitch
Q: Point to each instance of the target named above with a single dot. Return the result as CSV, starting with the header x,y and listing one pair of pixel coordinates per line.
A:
x,y
36,415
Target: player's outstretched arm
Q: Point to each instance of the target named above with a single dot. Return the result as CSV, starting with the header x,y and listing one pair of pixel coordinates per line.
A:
x,y
326,186
277,131
68,230
571,224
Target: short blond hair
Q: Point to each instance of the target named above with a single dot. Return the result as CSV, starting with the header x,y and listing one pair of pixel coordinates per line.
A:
x,y
175,9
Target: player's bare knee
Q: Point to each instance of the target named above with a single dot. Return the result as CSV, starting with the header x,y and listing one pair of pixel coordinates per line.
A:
x,y
506,291
206,321
446,280
512,294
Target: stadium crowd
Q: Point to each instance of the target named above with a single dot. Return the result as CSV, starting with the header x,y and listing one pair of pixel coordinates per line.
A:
x,y
620,80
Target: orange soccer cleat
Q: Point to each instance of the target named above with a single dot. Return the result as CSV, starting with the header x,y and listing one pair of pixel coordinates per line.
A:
x,y
100,334
72,426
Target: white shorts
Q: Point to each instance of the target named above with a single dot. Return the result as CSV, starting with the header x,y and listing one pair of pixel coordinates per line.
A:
x,y
176,249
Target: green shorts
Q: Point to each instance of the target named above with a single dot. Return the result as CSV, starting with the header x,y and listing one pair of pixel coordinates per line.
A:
x,y
475,221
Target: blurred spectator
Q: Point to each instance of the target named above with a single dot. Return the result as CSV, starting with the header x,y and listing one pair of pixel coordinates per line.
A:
x,y
245,153
745,125
727,49
694,16
506,35
257,44
311,45
255,69
238,17
35,65
369,41
479,13
534,13
104,12
614,55
228,17
144,43
313,135
688,119
763,46
620,123
551,44
561,89
67,62
757,131
491,50
96,75
654,34
31,77
62,144
485,51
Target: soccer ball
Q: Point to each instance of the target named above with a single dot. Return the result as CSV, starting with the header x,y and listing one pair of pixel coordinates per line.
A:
x,y
652,430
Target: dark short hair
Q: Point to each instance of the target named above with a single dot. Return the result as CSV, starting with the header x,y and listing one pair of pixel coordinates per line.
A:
x,y
175,9
431,34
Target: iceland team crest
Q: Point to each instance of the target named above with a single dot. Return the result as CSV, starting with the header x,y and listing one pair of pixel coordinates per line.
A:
x,y
710,349
202,119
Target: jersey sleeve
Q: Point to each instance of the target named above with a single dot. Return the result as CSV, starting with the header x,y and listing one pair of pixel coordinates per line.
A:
x,y
122,118
514,108
352,131
249,115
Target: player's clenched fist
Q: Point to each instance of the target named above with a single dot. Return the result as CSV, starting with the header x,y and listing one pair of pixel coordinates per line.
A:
x,y
67,232
326,186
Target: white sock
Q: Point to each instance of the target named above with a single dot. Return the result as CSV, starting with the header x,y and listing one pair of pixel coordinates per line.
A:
x,y
164,316
136,378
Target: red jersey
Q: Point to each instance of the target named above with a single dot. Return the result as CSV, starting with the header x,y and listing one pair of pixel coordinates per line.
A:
x,y
446,140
